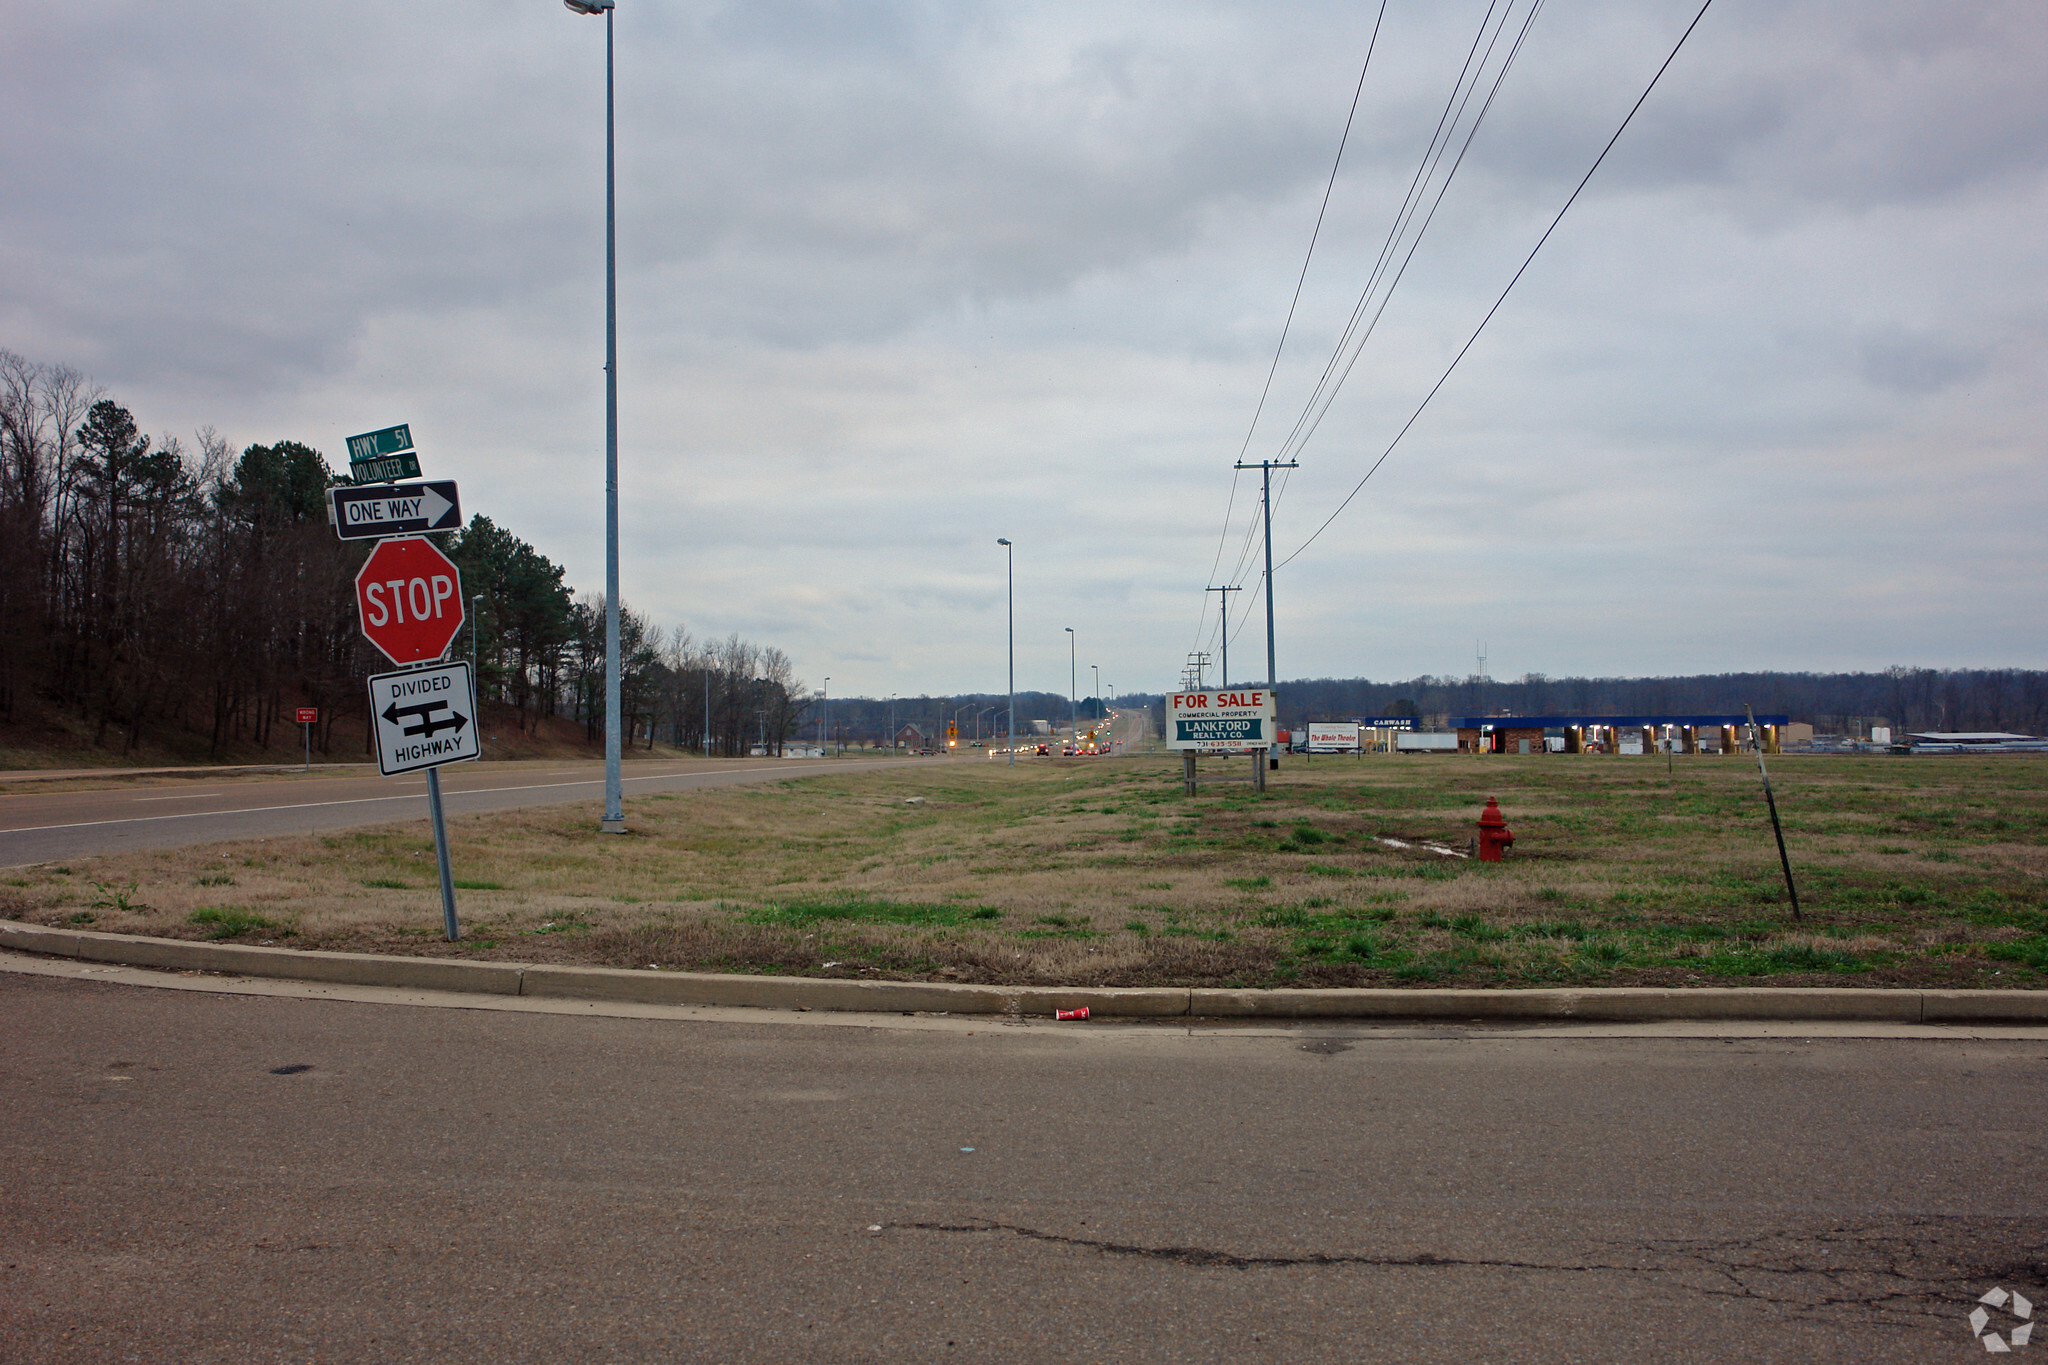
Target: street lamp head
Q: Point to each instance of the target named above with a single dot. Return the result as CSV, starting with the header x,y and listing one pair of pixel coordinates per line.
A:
x,y
587,6
1001,541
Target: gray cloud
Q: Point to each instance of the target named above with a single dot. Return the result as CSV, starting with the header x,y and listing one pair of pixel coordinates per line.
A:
x,y
899,278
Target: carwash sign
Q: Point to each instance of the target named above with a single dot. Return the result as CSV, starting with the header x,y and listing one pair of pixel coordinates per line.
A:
x,y
1229,722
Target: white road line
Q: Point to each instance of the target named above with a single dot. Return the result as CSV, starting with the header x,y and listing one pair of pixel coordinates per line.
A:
x,y
182,796
369,800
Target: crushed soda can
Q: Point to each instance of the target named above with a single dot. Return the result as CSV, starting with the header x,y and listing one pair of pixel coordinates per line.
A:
x,y
1081,1013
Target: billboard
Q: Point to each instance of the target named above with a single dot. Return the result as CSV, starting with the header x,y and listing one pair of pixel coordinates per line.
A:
x,y
1332,737
1235,721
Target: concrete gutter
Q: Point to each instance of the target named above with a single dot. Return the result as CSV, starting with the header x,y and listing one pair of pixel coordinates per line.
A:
x,y
1629,1004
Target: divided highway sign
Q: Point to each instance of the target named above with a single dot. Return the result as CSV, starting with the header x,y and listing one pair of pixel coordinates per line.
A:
x,y
394,509
425,717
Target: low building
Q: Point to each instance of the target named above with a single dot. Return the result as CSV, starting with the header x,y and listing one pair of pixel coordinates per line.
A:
x,y
1684,734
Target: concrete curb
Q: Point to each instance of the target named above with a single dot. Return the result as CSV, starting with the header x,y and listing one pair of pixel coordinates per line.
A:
x,y
1621,1004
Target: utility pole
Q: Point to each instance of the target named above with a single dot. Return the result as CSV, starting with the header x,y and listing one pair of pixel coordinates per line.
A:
x,y
1225,682
1266,468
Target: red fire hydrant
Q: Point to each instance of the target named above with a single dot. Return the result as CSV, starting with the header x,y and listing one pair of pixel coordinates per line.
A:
x,y
1494,834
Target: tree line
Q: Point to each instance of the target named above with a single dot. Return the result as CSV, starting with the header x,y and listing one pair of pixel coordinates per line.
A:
x,y
147,586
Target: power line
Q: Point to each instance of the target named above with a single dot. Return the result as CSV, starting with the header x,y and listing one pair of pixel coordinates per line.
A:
x,y
1319,403
1445,376
1343,140
1448,121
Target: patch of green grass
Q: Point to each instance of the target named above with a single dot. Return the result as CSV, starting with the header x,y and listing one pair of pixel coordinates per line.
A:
x,y
228,921
864,911
1138,927
1060,926
215,879
1430,872
115,897
388,884
1477,929
82,917
1258,883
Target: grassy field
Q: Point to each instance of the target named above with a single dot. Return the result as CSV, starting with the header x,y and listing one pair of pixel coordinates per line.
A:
x,y
1626,871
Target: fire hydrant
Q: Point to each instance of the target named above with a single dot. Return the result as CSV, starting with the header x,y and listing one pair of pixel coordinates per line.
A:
x,y
1494,834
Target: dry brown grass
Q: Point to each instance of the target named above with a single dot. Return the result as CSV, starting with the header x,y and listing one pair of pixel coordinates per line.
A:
x,y
1098,871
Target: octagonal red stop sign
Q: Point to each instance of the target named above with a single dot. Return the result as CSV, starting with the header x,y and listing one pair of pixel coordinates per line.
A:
x,y
409,596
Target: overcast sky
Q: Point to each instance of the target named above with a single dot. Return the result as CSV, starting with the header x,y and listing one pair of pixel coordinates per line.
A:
x,y
898,279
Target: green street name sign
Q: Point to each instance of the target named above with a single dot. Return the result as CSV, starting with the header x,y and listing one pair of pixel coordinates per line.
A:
x,y
371,444
386,468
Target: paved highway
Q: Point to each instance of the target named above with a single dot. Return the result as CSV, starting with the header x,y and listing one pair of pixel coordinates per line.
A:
x,y
261,1177
45,826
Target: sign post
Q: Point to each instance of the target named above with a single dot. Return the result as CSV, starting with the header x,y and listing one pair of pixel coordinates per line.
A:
x,y
409,601
425,717
1233,721
309,716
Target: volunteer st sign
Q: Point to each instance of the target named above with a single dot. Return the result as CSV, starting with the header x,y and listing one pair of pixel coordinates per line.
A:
x,y
424,717
1227,722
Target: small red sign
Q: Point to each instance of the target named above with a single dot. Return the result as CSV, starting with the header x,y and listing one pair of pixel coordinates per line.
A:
x,y
309,715
409,596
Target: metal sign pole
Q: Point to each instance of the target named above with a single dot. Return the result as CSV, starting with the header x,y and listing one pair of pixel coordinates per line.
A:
x,y
441,855
309,747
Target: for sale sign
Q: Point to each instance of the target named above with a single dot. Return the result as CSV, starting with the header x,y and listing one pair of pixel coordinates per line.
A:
x,y
1234,721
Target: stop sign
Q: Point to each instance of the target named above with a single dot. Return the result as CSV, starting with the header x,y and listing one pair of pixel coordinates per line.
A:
x,y
409,596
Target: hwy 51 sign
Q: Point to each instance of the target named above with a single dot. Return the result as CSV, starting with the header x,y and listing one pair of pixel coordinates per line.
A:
x,y
424,717
1233,721
409,596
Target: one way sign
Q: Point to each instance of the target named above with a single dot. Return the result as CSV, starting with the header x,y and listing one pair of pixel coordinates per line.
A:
x,y
425,717
394,509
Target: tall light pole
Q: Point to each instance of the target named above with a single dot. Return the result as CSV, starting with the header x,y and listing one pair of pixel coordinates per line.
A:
x,y
1073,687
476,700
1011,551
892,725
614,821
825,719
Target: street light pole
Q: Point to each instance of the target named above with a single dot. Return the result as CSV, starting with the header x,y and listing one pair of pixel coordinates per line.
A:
x,y
1073,687
825,719
614,821
1011,551
892,725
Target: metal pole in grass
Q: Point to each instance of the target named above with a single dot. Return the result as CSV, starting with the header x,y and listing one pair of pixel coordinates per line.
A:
x,y
448,920
1784,860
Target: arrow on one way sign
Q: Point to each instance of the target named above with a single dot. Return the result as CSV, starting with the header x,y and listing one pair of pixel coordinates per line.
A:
x,y
395,509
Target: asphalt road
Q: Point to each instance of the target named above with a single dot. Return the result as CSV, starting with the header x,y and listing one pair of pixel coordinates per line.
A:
x,y
471,1185
48,826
